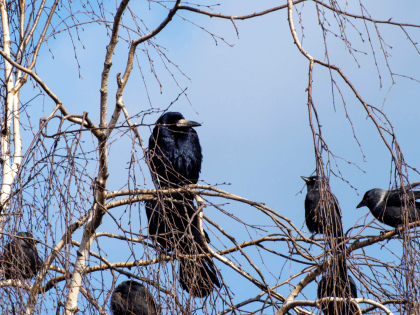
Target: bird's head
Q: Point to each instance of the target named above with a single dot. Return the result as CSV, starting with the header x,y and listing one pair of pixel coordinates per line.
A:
x,y
372,198
25,234
129,285
28,237
311,182
175,121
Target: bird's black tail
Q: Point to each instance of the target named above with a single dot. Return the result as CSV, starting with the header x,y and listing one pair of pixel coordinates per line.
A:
x,y
337,284
198,276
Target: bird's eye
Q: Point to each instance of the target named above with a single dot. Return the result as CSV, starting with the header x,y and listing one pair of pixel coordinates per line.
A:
x,y
172,136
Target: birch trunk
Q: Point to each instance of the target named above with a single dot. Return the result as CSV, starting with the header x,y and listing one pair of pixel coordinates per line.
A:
x,y
8,173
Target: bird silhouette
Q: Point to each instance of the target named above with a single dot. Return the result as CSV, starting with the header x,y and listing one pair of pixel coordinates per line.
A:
x,y
387,206
132,298
20,258
175,160
322,217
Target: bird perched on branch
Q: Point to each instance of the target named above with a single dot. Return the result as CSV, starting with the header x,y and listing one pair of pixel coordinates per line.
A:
x,y
175,151
337,285
322,217
175,160
20,258
132,298
387,206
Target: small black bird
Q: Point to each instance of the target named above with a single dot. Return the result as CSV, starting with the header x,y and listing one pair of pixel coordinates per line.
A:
x,y
132,298
175,151
340,286
175,160
20,259
320,219
387,205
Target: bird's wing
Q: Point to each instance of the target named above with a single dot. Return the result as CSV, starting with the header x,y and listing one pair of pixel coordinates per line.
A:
x,y
150,157
337,206
412,185
395,197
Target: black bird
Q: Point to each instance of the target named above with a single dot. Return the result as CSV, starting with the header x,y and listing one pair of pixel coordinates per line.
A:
x,y
20,259
170,228
175,151
320,219
175,160
132,298
387,205
340,286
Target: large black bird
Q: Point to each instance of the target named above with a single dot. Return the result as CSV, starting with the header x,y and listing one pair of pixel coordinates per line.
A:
x,y
132,298
175,151
175,159
339,286
20,259
387,205
323,218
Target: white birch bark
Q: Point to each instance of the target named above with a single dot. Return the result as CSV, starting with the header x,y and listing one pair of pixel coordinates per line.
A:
x,y
7,171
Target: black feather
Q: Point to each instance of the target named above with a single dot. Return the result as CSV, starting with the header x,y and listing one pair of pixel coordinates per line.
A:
x,y
20,258
321,219
132,298
337,285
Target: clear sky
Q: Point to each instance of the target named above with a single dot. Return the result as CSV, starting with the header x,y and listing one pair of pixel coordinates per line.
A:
x,y
251,100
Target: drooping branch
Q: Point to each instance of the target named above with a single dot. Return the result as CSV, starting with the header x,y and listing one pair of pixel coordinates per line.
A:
x,y
396,156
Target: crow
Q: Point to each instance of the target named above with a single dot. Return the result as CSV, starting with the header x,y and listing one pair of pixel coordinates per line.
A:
x,y
132,298
175,160
323,218
339,286
387,205
20,258
174,151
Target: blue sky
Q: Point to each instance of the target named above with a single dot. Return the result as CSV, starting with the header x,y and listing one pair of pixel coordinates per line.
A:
x,y
251,101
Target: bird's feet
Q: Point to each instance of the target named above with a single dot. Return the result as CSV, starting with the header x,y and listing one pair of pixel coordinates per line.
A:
x,y
312,238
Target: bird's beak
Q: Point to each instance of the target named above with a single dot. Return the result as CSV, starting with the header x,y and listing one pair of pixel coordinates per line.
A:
x,y
306,179
361,204
187,123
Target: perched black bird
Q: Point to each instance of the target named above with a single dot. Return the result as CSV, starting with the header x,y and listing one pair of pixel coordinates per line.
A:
x,y
175,151
175,159
340,286
132,298
322,219
387,205
20,259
